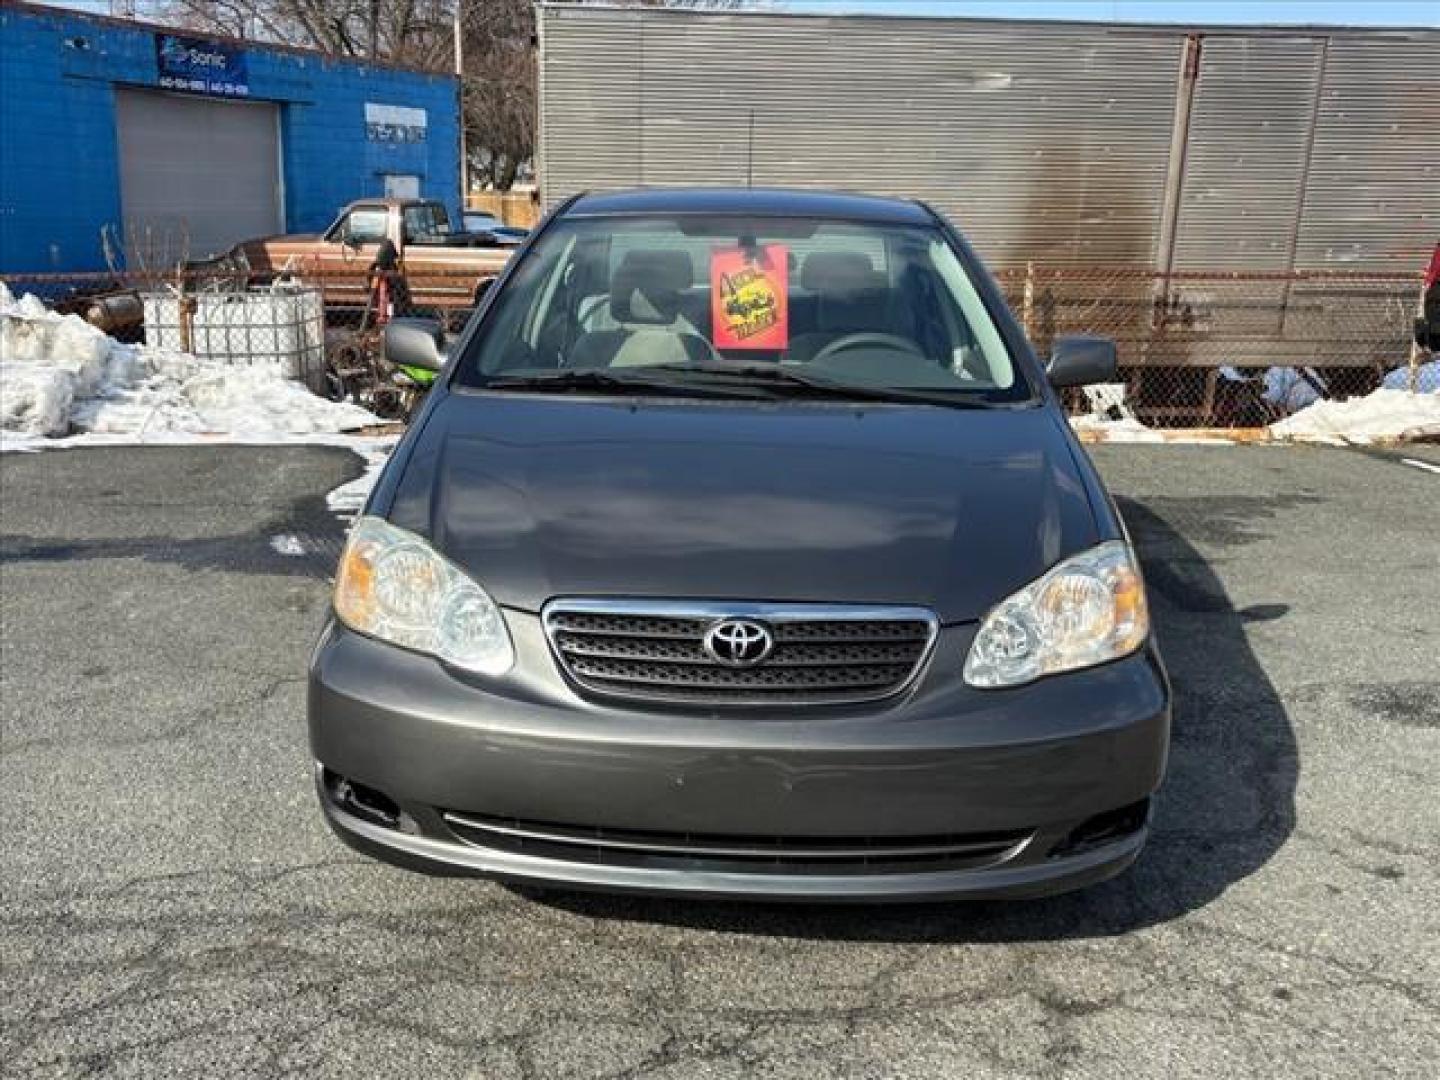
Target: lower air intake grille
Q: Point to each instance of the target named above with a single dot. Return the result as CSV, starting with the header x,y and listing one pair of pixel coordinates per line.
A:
x,y
803,654
738,854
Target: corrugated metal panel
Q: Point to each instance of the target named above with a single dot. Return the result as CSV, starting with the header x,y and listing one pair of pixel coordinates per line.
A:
x,y
1373,200
590,106
1250,129
1044,142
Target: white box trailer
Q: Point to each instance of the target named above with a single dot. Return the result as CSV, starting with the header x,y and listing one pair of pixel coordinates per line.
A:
x,y
1255,149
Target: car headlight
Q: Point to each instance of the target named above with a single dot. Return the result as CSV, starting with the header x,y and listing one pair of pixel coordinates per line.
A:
x,y
394,586
1084,611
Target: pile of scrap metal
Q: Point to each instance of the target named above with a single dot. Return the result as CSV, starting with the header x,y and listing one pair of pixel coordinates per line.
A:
x,y
116,307
355,365
116,311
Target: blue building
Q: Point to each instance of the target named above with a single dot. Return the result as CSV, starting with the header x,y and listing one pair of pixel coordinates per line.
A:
x,y
183,145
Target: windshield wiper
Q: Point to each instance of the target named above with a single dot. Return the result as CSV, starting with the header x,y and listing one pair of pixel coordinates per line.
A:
x,y
762,381
791,380
609,381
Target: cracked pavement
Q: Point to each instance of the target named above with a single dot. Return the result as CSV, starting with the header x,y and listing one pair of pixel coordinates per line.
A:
x,y
173,905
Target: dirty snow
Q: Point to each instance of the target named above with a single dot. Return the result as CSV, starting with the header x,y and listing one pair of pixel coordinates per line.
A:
x,y
35,399
31,334
58,374
287,544
349,499
1111,419
1124,429
1383,415
1388,414
1292,389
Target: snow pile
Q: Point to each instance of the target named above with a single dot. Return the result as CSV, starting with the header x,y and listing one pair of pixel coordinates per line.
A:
x,y
57,372
1391,413
349,498
1110,418
32,334
1384,415
35,399
1123,429
1292,389
46,361
181,394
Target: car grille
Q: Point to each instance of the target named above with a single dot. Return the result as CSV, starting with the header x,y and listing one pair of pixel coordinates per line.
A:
x,y
738,854
821,654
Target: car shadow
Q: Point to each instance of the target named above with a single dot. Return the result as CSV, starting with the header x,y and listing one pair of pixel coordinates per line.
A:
x,y
1227,805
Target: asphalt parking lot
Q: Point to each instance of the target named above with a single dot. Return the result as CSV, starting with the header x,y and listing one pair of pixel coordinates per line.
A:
x,y
173,905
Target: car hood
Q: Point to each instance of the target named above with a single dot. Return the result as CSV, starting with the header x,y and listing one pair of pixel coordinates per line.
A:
x,y
544,496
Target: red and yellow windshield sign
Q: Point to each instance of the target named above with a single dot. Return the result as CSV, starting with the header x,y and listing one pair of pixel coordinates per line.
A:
x,y
749,287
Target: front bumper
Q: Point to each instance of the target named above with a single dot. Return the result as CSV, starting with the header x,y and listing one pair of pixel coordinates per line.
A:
x,y
1037,766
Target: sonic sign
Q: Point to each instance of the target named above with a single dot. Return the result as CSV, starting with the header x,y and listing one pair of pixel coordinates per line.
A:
x,y
201,67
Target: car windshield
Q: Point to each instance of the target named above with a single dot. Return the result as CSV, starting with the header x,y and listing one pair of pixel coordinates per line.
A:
x,y
885,310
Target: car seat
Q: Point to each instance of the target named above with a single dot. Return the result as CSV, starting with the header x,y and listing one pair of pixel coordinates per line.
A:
x,y
649,327
644,318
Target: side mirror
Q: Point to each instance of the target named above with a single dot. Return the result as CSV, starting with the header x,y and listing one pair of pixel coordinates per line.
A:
x,y
1081,360
415,343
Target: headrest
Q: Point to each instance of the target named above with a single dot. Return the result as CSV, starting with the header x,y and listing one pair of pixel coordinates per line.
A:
x,y
839,271
647,285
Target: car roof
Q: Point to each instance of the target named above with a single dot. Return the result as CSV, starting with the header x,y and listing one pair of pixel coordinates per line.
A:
x,y
767,202
388,201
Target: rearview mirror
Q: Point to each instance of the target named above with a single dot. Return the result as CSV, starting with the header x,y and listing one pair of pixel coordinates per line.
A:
x,y
415,343
1081,360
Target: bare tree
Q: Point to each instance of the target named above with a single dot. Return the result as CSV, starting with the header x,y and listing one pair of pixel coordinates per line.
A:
x,y
498,89
412,32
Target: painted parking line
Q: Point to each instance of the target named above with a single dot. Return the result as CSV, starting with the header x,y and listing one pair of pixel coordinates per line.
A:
x,y
1427,466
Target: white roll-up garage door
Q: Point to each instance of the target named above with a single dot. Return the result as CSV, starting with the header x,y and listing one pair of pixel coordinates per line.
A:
x,y
200,172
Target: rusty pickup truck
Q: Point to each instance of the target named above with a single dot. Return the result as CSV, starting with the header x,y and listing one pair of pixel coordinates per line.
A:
x,y
442,268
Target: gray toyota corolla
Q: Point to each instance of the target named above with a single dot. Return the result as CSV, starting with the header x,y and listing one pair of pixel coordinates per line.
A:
x,y
742,548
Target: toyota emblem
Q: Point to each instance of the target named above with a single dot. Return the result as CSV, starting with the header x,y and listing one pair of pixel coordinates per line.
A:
x,y
738,642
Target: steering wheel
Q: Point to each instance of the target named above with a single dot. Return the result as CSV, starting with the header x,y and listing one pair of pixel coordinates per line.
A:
x,y
863,338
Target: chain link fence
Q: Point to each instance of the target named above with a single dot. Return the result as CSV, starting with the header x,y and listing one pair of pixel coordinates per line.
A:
x,y
1196,349
1227,349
